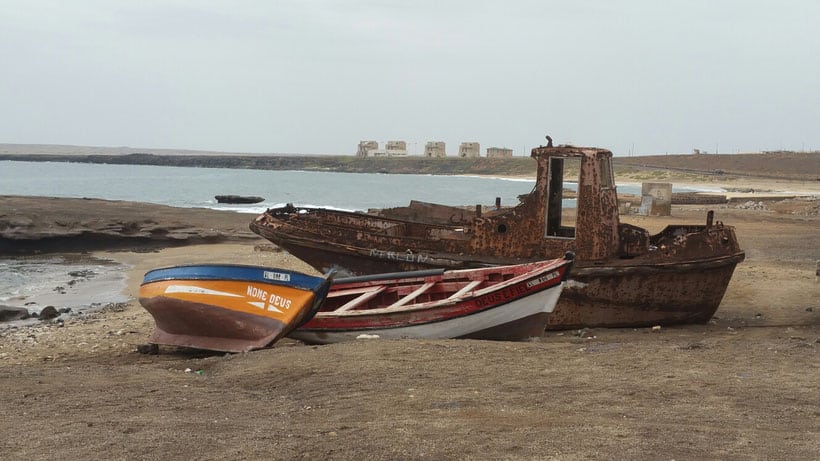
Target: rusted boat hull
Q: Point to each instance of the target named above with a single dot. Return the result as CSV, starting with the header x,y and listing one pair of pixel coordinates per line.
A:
x,y
228,308
511,310
623,276
612,296
348,260
643,296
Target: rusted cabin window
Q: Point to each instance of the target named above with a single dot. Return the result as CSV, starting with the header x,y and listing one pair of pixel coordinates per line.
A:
x,y
564,175
605,171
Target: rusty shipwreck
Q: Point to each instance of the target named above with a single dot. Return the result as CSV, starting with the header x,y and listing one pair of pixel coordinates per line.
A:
x,y
623,276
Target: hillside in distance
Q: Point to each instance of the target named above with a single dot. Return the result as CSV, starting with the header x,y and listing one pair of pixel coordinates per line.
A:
x,y
515,166
801,166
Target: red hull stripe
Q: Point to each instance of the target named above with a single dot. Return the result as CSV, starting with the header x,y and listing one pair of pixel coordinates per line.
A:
x,y
403,318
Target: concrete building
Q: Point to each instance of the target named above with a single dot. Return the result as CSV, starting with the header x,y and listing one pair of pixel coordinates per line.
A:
x,y
434,149
499,152
469,149
392,149
656,199
367,148
396,148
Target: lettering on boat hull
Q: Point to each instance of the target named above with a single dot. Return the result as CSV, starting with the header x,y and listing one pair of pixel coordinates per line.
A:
x,y
274,301
408,256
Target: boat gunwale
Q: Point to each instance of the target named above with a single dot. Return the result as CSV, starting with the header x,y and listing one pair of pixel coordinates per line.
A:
x,y
296,280
580,266
553,265
300,211
398,326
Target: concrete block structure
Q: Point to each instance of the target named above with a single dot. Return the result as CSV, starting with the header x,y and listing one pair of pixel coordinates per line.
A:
x,y
469,149
435,149
499,152
392,149
656,198
367,148
396,148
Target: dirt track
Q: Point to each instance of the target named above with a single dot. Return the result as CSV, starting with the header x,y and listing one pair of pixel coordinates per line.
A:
x,y
744,386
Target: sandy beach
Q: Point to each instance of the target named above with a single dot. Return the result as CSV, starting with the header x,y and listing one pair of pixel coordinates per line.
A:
x,y
743,386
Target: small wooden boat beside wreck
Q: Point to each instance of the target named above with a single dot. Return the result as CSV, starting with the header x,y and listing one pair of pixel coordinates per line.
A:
x,y
497,303
231,308
622,276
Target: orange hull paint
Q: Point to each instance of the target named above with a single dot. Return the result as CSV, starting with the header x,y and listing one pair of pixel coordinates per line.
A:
x,y
276,302
231,308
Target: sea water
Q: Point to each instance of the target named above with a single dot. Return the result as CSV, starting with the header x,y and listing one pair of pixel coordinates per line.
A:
x,y
71,283
197,187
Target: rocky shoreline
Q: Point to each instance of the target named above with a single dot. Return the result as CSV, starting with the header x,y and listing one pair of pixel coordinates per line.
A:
x,y
36,225
70,228
57,286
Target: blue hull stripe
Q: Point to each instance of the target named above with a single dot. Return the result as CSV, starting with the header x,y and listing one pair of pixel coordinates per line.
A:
x,y
269,275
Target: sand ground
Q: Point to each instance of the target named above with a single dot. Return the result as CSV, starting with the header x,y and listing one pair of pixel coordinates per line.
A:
x,y
744,386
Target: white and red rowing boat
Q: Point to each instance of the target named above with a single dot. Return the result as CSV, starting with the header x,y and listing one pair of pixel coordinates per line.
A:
x,y
498,303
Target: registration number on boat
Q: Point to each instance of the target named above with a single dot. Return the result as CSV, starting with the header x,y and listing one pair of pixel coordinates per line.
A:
x,y
542,279
278,276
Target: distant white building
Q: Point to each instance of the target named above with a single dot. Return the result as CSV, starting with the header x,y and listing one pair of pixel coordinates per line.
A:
x,y
367,148
435,149
396,148
499,152
392,149
469,149
432,149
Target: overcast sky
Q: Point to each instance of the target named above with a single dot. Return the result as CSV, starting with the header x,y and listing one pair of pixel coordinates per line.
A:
x,y
301,76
